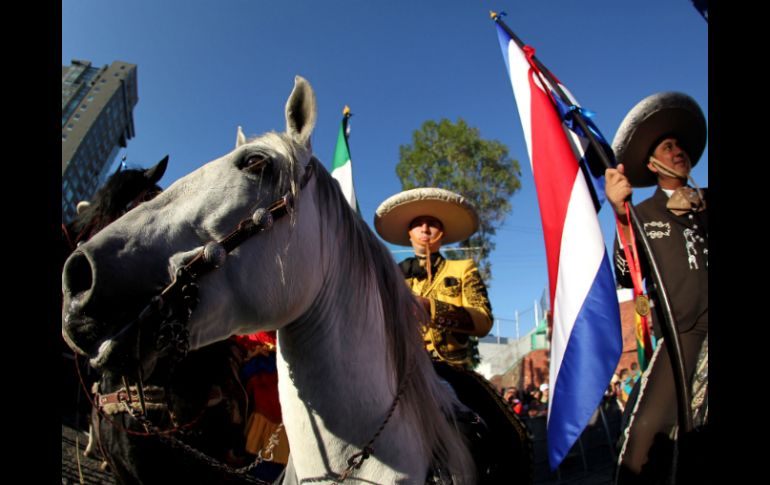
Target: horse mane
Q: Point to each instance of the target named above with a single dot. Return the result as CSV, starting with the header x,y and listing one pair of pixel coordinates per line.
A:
x,y
367,264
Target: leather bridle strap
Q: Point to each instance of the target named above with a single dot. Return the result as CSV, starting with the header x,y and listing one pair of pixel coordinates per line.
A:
x,y
212,255
177,301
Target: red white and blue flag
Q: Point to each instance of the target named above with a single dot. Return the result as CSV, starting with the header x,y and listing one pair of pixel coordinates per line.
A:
x,y
586,342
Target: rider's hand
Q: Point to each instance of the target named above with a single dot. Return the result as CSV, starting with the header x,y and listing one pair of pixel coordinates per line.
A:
x,y
618,188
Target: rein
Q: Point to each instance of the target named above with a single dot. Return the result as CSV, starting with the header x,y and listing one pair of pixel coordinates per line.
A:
x,y
121,401
175,304
357,459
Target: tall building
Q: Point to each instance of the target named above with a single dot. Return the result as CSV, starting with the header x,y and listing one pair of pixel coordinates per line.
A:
x,y
96,120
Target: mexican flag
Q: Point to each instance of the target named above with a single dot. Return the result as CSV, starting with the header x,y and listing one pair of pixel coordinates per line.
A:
x,y
342,167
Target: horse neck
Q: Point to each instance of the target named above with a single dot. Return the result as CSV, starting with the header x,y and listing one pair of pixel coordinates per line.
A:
x,y
337,386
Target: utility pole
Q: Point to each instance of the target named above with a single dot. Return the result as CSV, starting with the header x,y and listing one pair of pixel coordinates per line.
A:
x,y
517,334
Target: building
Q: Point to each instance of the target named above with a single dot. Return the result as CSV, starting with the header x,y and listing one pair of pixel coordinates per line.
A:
x,y
97,119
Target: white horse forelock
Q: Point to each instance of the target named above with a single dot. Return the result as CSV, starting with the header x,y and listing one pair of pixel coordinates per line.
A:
x,y
288,178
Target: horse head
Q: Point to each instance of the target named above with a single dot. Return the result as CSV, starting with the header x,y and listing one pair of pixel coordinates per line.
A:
x,y
123,191
109,281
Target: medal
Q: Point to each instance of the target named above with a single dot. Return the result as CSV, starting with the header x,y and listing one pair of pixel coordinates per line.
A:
x,y
642,305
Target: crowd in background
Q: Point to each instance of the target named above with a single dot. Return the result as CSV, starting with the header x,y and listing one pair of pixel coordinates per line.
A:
x,y
530,402
622,384
533,401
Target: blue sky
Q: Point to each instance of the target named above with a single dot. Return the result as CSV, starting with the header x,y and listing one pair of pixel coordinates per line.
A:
x,y
205,67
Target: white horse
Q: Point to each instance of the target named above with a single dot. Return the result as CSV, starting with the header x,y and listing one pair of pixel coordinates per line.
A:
x,y
349,347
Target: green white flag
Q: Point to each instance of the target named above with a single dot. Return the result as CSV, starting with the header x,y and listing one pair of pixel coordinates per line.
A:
x,y
342,167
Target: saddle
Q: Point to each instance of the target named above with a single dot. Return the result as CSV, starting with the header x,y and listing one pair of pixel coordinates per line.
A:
x,y
499,441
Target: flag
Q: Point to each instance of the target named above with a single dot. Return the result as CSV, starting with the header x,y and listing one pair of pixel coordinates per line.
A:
x,y
342,167
586,341
644,346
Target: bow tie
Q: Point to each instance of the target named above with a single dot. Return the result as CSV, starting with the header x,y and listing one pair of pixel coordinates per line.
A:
x,y
684,200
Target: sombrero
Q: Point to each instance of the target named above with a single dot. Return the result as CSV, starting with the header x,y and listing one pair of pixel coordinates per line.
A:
x,y
662,114
392,217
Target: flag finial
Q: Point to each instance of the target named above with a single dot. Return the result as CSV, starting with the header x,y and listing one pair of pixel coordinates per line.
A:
x,y
346,110
492,14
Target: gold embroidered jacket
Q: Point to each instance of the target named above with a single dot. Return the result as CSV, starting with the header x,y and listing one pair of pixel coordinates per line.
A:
x,y
459,308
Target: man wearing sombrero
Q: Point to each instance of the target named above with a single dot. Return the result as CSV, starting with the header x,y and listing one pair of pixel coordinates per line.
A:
x,y
658,143
455,299
452,291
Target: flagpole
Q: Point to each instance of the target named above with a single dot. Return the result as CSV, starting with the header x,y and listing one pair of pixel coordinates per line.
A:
x,y
668,327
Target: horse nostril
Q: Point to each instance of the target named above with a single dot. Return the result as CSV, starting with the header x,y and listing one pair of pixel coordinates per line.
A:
x,y
78,277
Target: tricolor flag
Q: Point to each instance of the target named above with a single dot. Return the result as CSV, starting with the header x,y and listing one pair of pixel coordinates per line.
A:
x,y
342,167
586,341
644,345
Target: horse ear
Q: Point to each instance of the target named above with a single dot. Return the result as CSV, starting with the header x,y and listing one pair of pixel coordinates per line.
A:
x,y
156,173
240,138
301,111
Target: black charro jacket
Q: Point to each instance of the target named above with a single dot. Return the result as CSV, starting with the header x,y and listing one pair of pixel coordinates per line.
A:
x,y
680,245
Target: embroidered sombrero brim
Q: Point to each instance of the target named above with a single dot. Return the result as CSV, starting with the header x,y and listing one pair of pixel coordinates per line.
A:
x,y
392,218
667,113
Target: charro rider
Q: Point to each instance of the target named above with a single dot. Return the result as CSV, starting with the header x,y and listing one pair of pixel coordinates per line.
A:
x,y
658,143
451,291
455,299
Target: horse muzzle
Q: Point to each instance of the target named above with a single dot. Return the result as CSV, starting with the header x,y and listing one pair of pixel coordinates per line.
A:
x,y
101,322
120,352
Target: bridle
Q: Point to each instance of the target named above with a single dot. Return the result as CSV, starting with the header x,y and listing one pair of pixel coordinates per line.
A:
x,y
176,302
174,305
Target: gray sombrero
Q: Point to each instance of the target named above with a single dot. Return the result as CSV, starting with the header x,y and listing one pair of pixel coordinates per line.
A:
x,y
667,113
392,217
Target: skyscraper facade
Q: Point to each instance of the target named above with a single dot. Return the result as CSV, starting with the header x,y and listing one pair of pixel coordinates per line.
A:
x,y
96,120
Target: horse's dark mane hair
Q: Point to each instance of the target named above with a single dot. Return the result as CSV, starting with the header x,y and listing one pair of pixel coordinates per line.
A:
x,y
111,199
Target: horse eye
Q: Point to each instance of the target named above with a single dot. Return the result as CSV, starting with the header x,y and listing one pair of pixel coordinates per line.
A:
x,y
255,163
